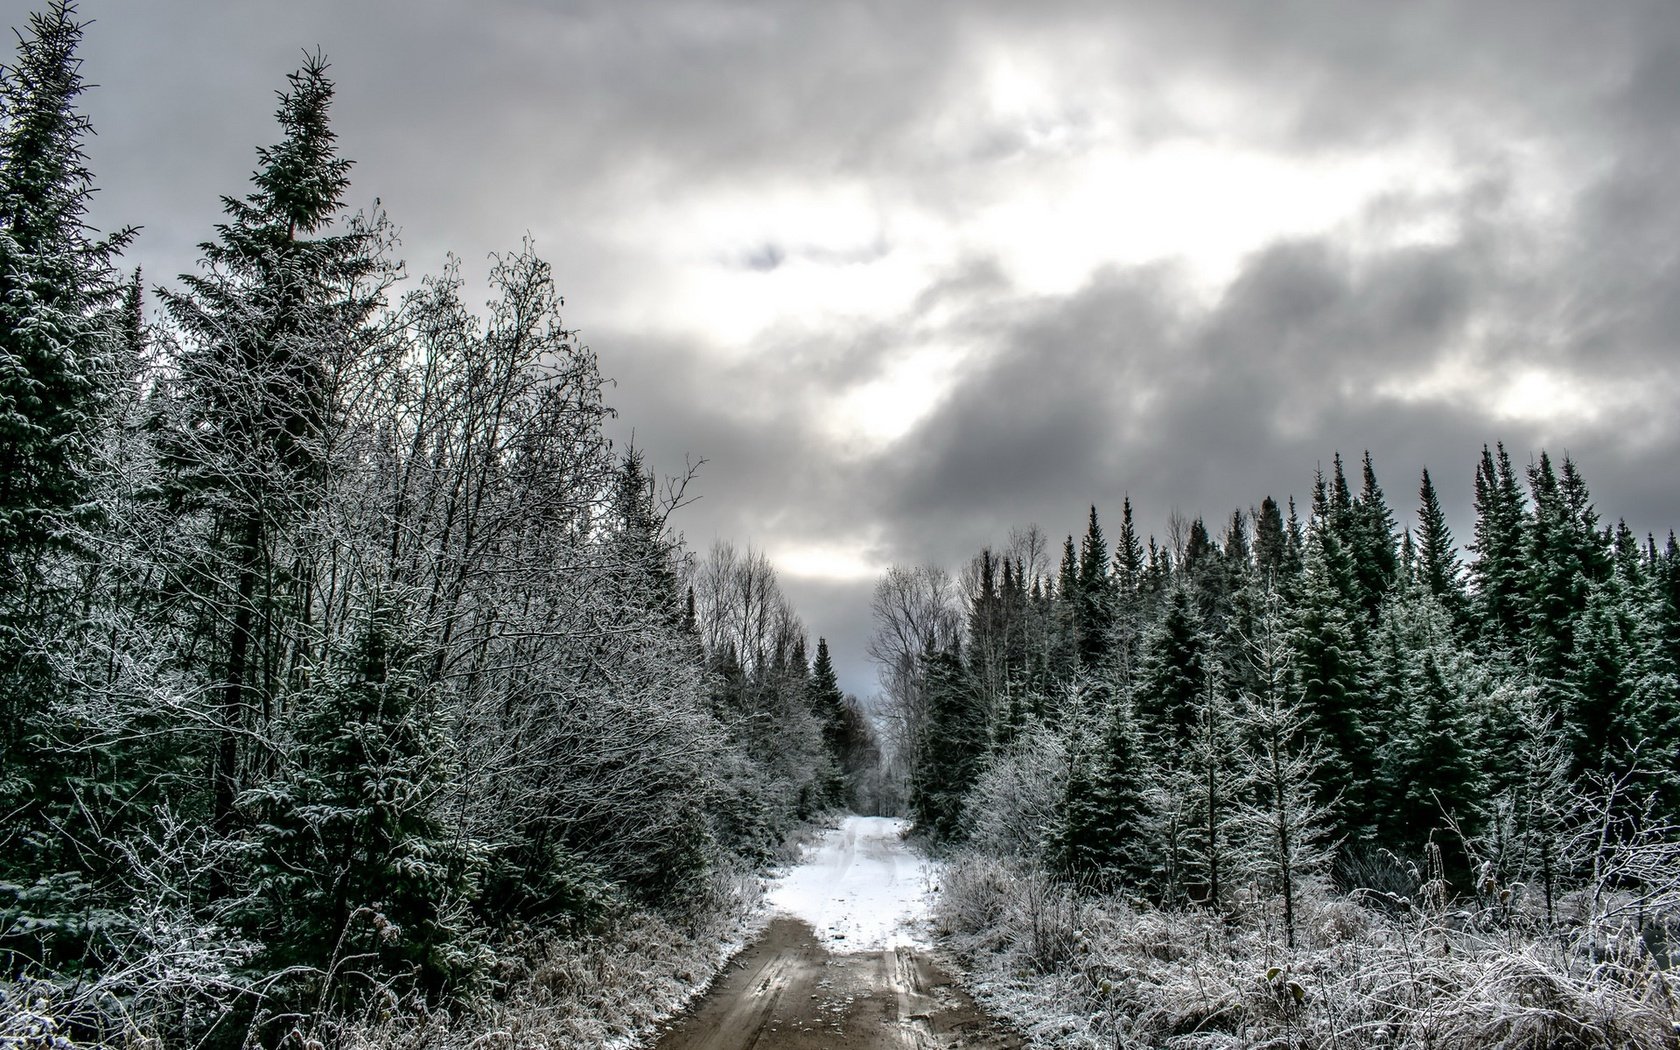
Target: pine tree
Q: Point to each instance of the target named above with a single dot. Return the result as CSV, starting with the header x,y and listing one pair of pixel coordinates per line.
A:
x,y
280,306
1370,533
59,294
1531,806
1437,564
1328,666
1270,541
1130,612
953,750
1281,767
1497,572
1096,597
1430,777
61,330
989,629
1099,839
828,703
1174,676
646,552
1213,859
355,870
1556,578
1066,612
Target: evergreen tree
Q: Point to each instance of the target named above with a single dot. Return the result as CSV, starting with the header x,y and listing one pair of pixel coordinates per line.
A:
x,y
1497,572
1281,770
1328,667
954,749
1100,836
647,553
355,871
61,329
1130,612
1429,769
1567,559
1531,810
1095,597
1174,676
828,703
1213,858
1371,543
281,306
988,632
58,291
1270,541
1437,565
1065,626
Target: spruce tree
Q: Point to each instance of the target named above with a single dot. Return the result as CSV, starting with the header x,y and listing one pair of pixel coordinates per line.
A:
x,y
61,328
1099,839
954,748
1096,597
59,291
828,703
1437,565
1130,611
1213,858
1067,611
1174,677
1287,828
1371,539
1497,573
1270,541
281,304
1328,670
355,870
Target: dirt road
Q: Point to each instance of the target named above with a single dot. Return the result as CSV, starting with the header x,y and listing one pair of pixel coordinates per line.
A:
x,y
841,965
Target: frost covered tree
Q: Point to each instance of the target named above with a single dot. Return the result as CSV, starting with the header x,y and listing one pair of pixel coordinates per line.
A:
x,y
61,321
1327,670
282,304
1437,565
356,875
1283,815
1100,835
1429,779
59,294
1497,573
953,748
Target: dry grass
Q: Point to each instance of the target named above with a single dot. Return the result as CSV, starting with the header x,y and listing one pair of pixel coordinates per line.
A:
x,y
601,990
1122,974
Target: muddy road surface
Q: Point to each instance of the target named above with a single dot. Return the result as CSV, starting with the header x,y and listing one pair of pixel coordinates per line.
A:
x,y
842,963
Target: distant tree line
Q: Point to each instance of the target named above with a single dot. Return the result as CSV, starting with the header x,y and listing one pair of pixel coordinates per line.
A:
x,y
1279,702
339,648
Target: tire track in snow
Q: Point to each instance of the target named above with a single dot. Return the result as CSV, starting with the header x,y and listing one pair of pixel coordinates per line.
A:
x,y
843,964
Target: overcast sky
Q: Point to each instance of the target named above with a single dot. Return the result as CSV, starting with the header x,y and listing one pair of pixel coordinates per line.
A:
x,y
908,274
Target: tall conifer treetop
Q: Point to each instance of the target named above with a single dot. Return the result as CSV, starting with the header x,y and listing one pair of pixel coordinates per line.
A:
x,y
57,285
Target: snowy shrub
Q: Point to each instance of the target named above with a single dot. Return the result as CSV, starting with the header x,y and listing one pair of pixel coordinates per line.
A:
x,y
606,988
1101,972
1013,807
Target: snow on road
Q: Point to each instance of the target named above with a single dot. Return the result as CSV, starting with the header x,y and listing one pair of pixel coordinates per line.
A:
x,y
841,963
860,888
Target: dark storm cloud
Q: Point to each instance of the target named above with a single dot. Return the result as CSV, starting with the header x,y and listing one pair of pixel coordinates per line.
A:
x,y
1554,128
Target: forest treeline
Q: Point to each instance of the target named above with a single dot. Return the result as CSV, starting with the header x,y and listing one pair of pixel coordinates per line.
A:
x,y
341,653
1331,743
1361,687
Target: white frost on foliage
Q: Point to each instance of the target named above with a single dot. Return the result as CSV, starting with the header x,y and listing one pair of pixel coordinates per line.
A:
x,y
860,888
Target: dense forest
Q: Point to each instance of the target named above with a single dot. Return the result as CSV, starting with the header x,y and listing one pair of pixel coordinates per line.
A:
x,y
356,689
1250,724
342,657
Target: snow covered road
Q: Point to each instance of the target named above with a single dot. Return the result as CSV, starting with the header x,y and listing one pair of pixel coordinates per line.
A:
x,y
860,888
844,962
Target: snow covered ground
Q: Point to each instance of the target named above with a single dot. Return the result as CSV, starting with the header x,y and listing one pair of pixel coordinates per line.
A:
x,y
860,888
